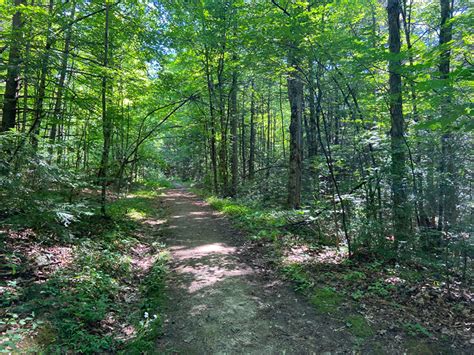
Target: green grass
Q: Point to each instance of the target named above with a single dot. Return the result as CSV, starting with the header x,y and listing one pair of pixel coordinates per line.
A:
x,y
326,300
135,207
259,223
416,329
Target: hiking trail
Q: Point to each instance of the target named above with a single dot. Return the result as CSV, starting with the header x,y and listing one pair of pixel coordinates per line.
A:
x,y
221,300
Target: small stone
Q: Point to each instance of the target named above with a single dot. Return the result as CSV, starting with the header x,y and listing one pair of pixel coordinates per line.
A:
x,y
188,339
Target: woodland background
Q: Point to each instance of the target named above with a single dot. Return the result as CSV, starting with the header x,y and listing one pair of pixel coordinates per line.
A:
x,y
341,125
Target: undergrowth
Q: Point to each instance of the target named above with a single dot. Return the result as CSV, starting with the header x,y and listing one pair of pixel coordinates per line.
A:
x,y
341,287
99,301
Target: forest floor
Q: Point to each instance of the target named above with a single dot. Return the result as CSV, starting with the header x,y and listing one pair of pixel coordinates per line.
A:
x,y
223,300
166,272
225,297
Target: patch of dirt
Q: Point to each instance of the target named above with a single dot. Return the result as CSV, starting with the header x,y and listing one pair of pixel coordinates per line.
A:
x,y
221,298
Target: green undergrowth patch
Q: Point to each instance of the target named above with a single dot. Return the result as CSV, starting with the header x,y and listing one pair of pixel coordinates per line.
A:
x,y
296,273
416,329
339,287
326,299
136,206
98,300
257,222
149,325
158,183
359,326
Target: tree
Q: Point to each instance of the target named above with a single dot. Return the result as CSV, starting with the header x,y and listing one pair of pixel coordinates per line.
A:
x,y
447,214
295,95
401,215
106,120
10,97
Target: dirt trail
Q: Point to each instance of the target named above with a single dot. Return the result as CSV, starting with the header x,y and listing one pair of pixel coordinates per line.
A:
x,y
220,302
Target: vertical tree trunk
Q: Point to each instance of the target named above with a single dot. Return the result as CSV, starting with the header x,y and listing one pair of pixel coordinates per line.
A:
x,y
62,79
401,214
448,198
25,87
233,131
420,212
210,90
106,122
282,117
252,133
295,95
269,129
223,173
10,97
243,140
312,141
39,102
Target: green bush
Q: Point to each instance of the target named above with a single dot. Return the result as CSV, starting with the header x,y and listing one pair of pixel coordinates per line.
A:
x,y
298,275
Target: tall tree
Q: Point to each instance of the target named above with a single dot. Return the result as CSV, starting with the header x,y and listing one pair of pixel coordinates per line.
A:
x,y
106,121
401,215
234,117
10,97
62,77
295,96
447,214
252,132
41,92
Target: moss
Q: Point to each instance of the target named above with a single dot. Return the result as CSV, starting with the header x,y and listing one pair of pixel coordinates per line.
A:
x,y
326,300
359,327
419,347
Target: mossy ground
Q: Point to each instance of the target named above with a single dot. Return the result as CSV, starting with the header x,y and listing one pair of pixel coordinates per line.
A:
x,y
326,300
359,326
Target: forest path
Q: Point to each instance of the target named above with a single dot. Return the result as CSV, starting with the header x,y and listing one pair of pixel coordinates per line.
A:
x,y
220,300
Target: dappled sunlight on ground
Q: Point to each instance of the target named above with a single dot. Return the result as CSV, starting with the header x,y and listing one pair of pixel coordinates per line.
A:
x,y
302,254
221,299
206,275
155,222
204,265
202,250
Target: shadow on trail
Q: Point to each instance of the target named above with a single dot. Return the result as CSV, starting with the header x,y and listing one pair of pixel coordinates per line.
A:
x,y
219,303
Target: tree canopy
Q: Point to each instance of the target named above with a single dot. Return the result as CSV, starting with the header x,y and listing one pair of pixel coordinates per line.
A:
x,y
353,117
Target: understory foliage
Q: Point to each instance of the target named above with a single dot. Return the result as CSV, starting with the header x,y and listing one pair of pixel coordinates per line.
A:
x,y
80,287
344,124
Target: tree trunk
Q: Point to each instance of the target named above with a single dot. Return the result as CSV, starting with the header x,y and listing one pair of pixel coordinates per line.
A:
x,y
62,79
243,140
295,95
210,90
312,142
39,111
401,214
233,131
282,117
223,173
252,133
10,97
106,122
448,198
269,128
